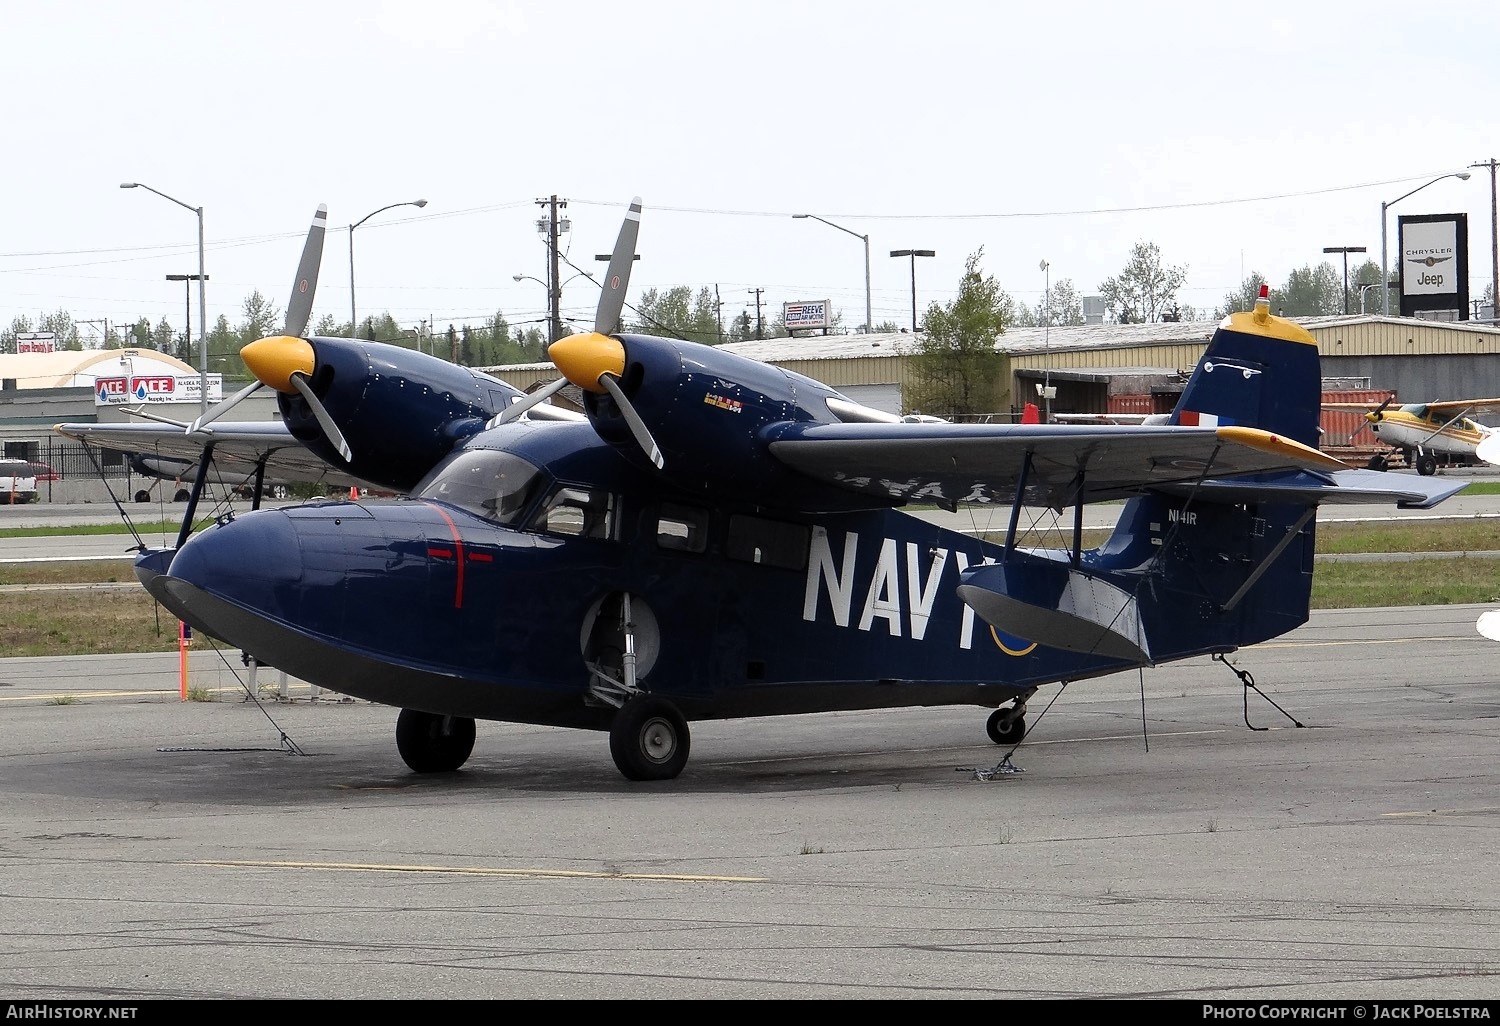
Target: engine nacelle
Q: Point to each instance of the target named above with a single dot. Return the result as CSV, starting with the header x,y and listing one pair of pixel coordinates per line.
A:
x,y
400,411
708,412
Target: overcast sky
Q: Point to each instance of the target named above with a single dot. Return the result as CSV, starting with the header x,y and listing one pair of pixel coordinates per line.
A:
x,y
1238,138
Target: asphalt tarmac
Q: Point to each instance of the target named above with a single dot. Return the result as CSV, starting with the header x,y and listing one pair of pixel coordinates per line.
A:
x,y
1329,834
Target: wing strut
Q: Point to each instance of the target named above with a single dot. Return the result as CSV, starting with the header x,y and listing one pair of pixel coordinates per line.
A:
x,y
1015,506
192,504
260,482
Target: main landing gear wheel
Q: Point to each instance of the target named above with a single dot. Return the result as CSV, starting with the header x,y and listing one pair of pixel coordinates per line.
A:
x,y
429,743
181,496
649,739
143,496
1427,464
1005,727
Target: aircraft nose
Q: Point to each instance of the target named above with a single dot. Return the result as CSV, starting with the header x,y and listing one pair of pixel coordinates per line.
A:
x,y
251,562
257,547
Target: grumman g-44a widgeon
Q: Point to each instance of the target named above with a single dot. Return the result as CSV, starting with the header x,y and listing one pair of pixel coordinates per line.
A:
x,y
717,538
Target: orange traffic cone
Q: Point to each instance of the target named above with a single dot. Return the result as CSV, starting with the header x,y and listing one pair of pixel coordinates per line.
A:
x,y
354,495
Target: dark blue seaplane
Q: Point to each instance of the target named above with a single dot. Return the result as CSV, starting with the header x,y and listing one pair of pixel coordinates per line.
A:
x,y
714,537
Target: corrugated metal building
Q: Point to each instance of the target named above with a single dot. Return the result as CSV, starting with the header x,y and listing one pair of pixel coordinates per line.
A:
x,y
1140,368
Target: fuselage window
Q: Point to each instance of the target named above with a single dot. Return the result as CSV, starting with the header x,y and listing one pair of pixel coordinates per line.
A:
x,y
578,513
768,542
494,484
683,528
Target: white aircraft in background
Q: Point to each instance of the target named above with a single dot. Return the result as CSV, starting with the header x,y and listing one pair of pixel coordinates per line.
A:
x,y
1428,433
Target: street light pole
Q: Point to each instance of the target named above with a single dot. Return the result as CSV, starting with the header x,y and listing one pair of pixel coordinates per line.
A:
x,y
1046,270
1346,250
353,319
187,295
202,292
869,323
913,253
1385,305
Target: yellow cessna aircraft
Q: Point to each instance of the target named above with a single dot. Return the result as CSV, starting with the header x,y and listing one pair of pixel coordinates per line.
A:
x,y
1429,435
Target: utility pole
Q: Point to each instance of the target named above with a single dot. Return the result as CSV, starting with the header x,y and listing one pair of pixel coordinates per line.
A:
x,y
1494,243
550,226
105,323
759,324
719,312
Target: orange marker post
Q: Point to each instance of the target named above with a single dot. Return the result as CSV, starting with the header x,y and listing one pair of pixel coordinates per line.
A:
x,y
184,639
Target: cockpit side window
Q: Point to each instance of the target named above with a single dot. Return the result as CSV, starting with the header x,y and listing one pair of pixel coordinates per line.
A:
x,y
683,528
494,484
577,512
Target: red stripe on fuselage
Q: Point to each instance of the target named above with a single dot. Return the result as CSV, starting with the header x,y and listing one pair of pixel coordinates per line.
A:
x,y
458,545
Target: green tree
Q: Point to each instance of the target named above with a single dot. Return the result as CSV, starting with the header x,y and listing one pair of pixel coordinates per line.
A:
x,y
678,313
61,324
1242,299
1144,288
164,340
1310,292
1061,300
330,326
262,318
886,328
956,370
740,328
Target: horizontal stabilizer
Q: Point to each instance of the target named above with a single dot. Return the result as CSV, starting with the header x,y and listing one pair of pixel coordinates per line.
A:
x,y
1343,488
1058,606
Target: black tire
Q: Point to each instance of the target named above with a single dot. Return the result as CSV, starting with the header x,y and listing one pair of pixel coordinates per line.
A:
x,y
182,495
1005,729
649,739
143,496
1427,464
429,743
1377,462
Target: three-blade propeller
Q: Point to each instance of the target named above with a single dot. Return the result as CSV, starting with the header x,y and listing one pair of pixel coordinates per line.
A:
x,y
594,360
285,362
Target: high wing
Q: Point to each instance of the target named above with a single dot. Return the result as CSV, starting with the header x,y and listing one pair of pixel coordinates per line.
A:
x,y
1464,405
983,463
241,446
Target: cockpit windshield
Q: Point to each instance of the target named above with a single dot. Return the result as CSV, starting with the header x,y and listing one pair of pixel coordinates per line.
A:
x,y
496,485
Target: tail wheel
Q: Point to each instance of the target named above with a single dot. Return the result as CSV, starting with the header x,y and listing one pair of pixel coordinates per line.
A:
x,y
1006,726
649,739
429,743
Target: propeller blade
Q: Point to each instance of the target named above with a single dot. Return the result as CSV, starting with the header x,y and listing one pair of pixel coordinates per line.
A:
x,y
637,425
1380,410
526,402
299,308
612,298
330,429
224,407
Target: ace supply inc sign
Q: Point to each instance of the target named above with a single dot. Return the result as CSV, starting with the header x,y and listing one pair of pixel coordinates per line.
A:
x,y
122,390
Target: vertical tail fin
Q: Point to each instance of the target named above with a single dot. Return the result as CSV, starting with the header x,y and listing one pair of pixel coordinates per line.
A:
x,y
1258,371
1240,568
